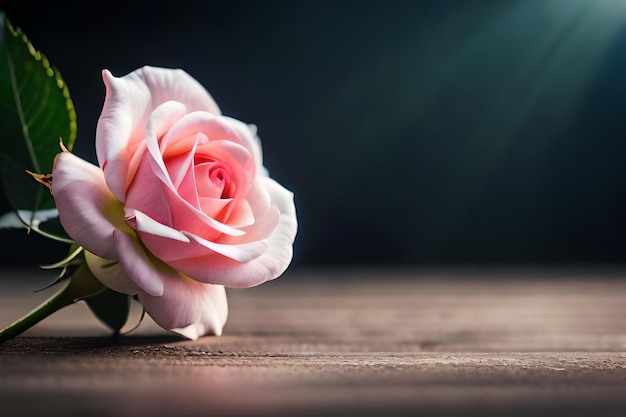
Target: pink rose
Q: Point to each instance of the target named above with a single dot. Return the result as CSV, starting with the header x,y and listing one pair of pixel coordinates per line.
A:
x,y
181,201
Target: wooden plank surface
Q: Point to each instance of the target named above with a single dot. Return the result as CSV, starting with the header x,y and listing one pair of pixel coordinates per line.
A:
x,y
339,342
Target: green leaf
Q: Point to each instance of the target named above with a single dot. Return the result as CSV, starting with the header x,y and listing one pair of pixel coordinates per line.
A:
x,y
111,308
36,111
43,222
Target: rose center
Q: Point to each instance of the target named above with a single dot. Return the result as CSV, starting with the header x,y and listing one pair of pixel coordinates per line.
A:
x,y
219,176
214,180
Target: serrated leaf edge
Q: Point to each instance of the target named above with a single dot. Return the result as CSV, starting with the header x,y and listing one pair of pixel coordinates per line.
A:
x,y
51,71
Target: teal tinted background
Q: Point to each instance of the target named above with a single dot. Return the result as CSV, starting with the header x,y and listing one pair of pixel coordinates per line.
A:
x,y
415,132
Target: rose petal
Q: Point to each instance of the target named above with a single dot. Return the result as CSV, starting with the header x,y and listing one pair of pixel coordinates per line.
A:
x,y
187,307
240,253
179,167
247,135
111,274
264,225
236,157
88,211
142,223
120,127
276,259
214,206
167,84
184,211
241,215
145,192
166,244
129,101
182,172
148,273
265,215
212,126
206,188
161,121
271,264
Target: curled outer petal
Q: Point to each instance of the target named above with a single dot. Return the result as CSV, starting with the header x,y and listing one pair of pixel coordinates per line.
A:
x,y
174,301
185,307
87,209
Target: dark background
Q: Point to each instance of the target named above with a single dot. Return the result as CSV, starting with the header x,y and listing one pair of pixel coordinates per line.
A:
x,y
412,132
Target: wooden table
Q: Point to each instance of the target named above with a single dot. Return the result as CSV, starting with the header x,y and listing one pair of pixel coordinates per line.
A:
x,y
353,342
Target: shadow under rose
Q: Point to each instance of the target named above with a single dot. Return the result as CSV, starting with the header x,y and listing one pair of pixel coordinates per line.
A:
x,y
73,345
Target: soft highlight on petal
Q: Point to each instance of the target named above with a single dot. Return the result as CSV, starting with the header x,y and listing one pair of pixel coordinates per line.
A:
x,y
120,127
142,223
187,307
248,137
111,274
240,253
268,265
147,273
167,84
87,209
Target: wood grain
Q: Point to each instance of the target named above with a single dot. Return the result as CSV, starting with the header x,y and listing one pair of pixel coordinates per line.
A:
x,y
339,342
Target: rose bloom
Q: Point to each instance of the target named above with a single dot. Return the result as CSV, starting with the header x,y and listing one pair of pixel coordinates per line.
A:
x,y
180,205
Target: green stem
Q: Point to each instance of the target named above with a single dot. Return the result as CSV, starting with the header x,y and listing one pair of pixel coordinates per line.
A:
x,y
52,305
81,285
